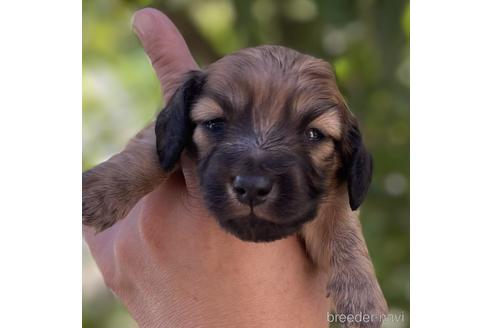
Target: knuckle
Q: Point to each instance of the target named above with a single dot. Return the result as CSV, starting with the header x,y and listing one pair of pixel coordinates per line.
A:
x,y
116,276
109,280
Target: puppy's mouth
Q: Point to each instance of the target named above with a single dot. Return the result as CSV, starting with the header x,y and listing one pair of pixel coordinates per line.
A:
x,y
258,217
257,229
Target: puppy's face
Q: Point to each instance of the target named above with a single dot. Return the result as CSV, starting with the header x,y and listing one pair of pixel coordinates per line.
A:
x,y
272,139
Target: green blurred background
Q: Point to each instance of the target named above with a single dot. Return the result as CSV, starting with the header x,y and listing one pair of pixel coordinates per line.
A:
x,y
367,42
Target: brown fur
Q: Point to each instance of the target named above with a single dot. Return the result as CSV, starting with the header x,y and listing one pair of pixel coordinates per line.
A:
x,y
266,81
205,110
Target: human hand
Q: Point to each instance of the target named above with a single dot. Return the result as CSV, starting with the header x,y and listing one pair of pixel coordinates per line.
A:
x,y
170,263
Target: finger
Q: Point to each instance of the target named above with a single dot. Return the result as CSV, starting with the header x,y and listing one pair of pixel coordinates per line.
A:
x,y
189,171
165,46
106,246
100,247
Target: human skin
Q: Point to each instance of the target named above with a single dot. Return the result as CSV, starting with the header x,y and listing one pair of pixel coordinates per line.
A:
x,y
170,263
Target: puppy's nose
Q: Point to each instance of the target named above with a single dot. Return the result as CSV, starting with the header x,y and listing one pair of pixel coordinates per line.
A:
x,y
252,190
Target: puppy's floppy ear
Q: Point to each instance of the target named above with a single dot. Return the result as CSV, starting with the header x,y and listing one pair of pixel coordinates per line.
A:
x,y
173,126
357,162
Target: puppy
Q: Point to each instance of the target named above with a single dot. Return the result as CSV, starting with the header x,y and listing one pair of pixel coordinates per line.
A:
x,y
277,152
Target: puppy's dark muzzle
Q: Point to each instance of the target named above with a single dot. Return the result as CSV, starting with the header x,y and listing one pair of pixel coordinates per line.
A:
x,y
252,190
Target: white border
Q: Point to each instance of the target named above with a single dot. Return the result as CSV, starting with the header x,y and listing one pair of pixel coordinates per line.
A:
x,y
451,165
40,147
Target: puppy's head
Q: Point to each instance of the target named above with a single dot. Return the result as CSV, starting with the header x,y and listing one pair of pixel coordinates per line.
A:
x,y
272,138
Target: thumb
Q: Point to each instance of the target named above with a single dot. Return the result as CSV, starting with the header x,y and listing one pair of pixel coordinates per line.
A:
x,y
165,47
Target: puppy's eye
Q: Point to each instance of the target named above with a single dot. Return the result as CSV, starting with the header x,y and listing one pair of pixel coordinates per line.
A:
x,y
314,135
215,125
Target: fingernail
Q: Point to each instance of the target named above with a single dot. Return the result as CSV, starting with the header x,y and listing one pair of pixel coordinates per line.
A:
x,y
141,23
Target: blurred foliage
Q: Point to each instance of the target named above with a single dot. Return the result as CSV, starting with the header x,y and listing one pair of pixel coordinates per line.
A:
x,y
367,42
